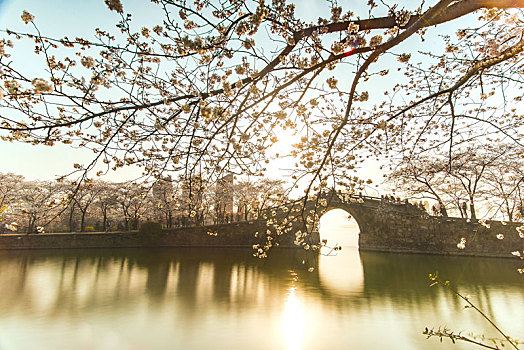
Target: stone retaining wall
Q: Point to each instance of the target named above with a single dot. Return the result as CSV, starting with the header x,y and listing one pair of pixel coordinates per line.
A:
x,y
227,235
380,231
437,235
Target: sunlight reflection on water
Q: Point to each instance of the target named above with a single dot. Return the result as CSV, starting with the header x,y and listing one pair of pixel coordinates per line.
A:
x,y
293,321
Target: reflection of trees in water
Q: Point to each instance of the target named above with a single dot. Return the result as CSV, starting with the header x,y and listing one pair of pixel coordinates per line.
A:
x,y
86,280
60,283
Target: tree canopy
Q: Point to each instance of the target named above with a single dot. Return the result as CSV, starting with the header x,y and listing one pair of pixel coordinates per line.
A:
x,y
211,88
492,176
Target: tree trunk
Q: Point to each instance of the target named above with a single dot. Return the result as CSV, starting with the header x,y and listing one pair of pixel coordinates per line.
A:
x,y
508,209
104,212
443,209
82,220
30,224
71,212
472,210
126,218
460,209
135,222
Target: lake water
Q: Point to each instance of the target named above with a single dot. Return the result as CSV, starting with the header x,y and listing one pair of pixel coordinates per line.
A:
x,y
227,299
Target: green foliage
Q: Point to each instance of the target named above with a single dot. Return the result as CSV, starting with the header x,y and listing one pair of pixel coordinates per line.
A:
x,y
89,229
150,227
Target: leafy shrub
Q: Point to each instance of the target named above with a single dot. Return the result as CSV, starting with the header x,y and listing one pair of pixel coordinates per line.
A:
x,y
89,229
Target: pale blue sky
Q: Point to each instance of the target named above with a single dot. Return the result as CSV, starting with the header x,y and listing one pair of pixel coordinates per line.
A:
x,y
80,18
55,18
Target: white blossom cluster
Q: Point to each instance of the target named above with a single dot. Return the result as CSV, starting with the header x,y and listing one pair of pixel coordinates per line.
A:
x,y
462,243
12,226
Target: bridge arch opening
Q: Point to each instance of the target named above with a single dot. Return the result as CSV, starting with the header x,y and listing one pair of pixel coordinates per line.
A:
x,y
338,227
340,271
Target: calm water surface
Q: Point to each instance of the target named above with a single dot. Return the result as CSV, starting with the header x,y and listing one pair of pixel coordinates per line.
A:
x,y
226,299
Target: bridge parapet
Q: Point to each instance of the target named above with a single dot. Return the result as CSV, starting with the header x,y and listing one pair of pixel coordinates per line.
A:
x,y
356,205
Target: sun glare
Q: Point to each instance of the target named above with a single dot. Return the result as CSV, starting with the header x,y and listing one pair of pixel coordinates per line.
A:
x,y
293,321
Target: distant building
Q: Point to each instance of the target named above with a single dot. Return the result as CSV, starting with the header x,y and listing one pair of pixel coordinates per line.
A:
x,y
192,193
163,189
224,198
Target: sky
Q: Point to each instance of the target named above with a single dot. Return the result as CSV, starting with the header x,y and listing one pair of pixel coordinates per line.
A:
x,y
79,18
43,162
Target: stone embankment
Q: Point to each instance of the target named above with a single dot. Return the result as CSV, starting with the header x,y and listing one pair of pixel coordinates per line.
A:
x,y
227,235
383,227
440,235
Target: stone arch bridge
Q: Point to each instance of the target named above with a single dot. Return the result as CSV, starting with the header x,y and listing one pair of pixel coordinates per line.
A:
x,y
389,225
385,225
374,216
